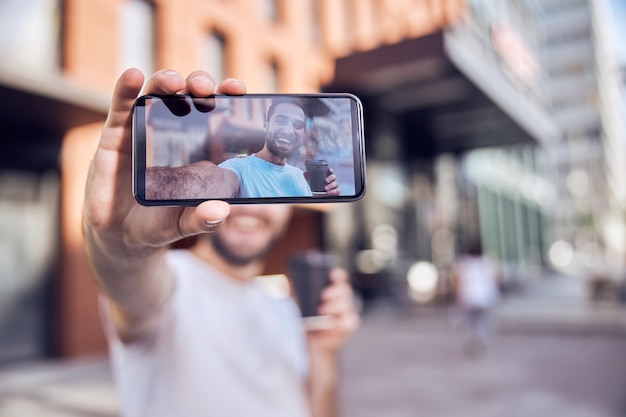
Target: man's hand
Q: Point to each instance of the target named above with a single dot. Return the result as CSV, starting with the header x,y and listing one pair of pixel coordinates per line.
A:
x,y
109,204
125,241
332,186
324,344
338,305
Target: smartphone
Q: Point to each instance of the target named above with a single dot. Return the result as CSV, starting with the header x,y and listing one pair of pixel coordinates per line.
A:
x,y
254,148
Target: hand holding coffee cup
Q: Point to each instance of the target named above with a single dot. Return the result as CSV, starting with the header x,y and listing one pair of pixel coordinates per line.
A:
x,y
317,171
309,273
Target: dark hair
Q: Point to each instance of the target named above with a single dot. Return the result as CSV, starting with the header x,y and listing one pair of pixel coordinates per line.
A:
x,y
280,100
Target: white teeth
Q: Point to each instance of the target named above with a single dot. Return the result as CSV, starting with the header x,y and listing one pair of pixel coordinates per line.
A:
x,y
246,223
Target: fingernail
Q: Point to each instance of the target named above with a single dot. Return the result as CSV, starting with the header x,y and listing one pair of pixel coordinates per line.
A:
x,y
212,224
204,80
234,81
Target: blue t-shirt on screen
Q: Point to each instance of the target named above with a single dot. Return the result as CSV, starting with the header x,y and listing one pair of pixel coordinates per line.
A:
x,y
259,178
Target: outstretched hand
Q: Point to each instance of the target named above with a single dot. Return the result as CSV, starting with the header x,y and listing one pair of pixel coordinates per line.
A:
x,y
126,242
111,211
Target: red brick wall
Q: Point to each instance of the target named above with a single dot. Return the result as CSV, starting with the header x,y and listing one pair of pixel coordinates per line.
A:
x,y
90,57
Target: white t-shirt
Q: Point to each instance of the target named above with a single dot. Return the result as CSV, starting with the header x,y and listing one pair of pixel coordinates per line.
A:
x,y
222,348
478,285
260,178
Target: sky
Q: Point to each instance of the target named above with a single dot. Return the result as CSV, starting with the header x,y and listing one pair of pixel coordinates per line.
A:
x,y
619,15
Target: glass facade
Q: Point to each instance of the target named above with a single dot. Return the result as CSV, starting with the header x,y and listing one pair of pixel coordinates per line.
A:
x,y
29,218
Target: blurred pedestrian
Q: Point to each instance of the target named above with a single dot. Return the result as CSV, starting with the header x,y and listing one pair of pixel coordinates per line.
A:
x,y
477,292
190,331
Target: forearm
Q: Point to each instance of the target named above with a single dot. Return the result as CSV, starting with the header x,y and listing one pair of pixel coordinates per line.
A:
x,y
135,279
200,180
323,384
324,345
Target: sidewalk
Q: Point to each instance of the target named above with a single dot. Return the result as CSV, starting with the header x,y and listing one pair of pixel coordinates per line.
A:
x,y
554,304
81,388
541,361
559,303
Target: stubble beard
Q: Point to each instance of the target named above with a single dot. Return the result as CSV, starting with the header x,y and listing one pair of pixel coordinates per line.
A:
x,y
233,258
272,145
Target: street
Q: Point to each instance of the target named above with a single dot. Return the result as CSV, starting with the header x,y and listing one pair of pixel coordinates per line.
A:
x,y
413,364
552,354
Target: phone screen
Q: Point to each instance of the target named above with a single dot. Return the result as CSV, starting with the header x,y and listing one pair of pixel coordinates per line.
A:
x,y
245,149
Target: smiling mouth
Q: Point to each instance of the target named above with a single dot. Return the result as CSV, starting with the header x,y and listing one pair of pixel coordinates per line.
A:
x,y
285,141
246,223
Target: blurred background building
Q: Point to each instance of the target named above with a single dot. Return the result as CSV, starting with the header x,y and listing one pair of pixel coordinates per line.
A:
x,y
587,163
499,121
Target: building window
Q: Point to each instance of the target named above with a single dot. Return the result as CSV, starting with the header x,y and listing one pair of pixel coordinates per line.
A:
x,y
213,55
30,35
29,220
137,43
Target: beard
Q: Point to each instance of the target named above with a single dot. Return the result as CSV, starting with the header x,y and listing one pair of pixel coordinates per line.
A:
x,y
274,147
232,257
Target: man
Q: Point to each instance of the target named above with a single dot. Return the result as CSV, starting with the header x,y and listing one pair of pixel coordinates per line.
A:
x,y
477,292
267,173
190,332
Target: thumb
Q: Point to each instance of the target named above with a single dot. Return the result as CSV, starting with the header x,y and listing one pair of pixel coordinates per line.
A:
x,y
124,96
205,218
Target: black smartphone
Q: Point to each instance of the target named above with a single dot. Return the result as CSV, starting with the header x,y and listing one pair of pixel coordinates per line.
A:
x,y
254,148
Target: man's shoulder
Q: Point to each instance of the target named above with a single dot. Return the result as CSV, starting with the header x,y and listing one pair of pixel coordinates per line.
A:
x,y
237,160
293,168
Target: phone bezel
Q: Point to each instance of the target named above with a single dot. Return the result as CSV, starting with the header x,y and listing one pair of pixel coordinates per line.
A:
x,y
139,150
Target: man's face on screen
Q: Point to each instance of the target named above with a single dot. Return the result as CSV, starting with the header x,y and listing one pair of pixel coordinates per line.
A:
x,y
285,129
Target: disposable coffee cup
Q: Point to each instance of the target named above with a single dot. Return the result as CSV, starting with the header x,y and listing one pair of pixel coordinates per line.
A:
x,y
309,273
317,171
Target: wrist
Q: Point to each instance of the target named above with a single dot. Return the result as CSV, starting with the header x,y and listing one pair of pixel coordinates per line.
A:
x,y
324,382
111,256
324,363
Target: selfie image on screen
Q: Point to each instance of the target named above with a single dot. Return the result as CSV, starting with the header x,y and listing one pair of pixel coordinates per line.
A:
x,y
249,147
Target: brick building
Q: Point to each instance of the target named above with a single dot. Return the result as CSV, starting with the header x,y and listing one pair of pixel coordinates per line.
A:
x,y
59,64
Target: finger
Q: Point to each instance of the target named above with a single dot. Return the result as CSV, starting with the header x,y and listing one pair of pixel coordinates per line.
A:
x,y
334,192
200,84
124,96
331,186
232,86
337,295
332,189
165,82
339,287
339,275
337,306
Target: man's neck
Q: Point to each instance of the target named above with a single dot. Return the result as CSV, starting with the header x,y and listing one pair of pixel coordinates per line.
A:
x,y
266,155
